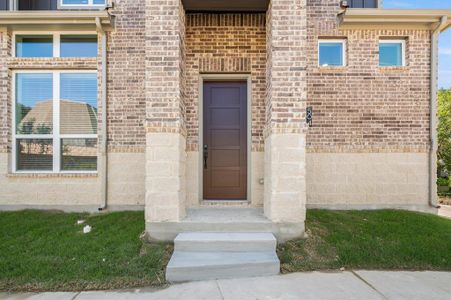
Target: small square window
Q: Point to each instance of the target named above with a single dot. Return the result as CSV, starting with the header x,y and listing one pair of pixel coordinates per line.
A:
x,y
331,53
34,46
78,46
75,2
363,3
81,3
392,53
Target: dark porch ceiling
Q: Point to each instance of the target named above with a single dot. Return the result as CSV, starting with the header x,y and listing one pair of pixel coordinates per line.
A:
x,y
226,5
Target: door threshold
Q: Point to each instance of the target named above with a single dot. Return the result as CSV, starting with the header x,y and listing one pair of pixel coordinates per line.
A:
x,y
227,203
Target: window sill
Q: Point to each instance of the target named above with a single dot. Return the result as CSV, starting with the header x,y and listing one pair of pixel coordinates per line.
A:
x,y
50,63
397,69
52,175
55,58
81,8
332,69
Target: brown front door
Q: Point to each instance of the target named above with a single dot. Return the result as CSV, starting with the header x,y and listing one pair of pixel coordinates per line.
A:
x,y
225,140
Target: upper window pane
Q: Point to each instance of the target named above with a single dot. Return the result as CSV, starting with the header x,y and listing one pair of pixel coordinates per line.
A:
x,y
331,54
34,46
390,54
34,103
78,46
78,104
99,2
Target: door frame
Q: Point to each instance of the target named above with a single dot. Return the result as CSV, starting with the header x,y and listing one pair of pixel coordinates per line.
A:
x,y
225,77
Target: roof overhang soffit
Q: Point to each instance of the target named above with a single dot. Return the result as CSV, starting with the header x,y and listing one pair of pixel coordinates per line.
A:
x,y
39,20
427,19
226,5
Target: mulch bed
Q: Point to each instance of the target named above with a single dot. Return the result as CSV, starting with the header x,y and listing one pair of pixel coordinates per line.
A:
x,y
445,200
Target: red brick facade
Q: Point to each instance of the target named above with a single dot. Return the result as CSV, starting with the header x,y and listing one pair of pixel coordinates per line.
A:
x,y
5,82
165,101
360,106
286,67
126,77
225,43
363,107
157,53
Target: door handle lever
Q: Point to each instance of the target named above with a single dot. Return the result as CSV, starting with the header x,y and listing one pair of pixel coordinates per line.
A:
x,y
205,156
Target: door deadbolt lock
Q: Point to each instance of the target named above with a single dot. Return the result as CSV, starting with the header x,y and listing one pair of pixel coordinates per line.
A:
x,y
309,116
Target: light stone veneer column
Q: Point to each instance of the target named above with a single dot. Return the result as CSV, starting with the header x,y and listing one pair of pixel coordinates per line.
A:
x,y
165,179
165,113
284,190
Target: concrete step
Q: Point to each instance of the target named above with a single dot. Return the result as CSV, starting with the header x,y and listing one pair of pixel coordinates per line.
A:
x,y
192,266
225,242
224,220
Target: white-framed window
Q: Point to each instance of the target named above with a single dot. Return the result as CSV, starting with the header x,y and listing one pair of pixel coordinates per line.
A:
x,y
54,121
363,3
55,44
331,53
82,3
392,53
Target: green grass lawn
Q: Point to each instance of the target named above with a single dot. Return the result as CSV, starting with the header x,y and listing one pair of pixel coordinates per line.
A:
x,y
385,239
48,251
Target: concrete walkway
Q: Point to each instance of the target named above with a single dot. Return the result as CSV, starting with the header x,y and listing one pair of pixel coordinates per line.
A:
x,y
366,285
445,211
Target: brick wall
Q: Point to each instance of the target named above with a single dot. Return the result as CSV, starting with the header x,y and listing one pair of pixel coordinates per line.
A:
x,y
5,104
126,77
284,161
286,66
165,111
225,43
369,140
362,107
165,101
126,117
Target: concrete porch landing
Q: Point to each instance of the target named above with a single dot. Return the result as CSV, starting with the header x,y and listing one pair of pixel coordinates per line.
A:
x,y
214,219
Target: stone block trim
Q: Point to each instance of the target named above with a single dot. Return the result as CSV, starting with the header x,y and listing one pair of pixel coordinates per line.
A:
x,y
285,187
165,177
367,180
75,191
362,107
225,43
